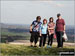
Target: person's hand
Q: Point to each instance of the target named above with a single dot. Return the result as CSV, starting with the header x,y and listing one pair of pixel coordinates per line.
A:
x,y
40,34
49,33
30,31
64,31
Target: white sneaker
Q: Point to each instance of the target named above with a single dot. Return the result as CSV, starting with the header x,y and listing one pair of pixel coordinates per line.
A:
x,y
48,46
39,47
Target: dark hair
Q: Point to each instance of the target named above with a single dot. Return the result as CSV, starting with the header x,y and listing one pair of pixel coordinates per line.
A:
x,y
45,20
50,19
58,15
38,17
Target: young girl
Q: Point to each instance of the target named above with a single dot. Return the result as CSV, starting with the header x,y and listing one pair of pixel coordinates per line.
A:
x,y
43,33
51,26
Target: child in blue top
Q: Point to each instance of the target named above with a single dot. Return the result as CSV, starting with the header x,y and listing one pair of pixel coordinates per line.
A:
x,y
43,33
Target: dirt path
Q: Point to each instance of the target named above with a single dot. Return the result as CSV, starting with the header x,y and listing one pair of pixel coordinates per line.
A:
x,y
27,43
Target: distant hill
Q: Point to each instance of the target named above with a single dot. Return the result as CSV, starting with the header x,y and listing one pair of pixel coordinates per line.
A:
x,y
14,26
25,26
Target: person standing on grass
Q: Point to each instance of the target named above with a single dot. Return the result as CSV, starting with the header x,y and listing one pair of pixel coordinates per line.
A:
x,y
51,27
60,29
43,33
34,30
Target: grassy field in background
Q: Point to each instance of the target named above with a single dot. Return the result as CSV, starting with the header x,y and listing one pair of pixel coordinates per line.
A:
x,y
14,36
14,33
10,49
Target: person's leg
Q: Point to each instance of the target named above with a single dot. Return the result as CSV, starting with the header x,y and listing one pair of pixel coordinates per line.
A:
x,y
62,42
36,38
58,39
44,39
40,43
51,39
62,39
31,39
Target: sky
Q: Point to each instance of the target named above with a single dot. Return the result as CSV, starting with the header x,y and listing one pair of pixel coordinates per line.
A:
x,y
24,12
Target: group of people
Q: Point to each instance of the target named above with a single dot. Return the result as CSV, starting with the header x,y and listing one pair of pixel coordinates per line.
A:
x,y
42,30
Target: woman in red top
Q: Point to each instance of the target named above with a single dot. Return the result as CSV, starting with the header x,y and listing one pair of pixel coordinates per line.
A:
x,y
51,26
60,29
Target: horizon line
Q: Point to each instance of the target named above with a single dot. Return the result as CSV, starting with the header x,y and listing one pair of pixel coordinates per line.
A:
x,y
22,24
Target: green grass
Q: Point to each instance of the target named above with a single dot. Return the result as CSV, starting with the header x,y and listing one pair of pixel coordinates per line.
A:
x,y
10,49
14,33
5,34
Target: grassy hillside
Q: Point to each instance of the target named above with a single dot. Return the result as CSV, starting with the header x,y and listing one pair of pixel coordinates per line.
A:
x,y
14,32
13,35
10,49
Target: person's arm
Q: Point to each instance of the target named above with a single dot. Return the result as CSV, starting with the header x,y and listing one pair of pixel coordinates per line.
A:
x,y
64,28
31,27
40,33
40,30
54,26
64,25
50,28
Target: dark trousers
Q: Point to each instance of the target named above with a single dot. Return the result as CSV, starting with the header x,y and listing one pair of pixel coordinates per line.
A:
x,y
50,39
34,37
59,38
43,40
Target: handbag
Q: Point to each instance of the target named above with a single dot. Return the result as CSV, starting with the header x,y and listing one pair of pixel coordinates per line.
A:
x,y
65,37
54,36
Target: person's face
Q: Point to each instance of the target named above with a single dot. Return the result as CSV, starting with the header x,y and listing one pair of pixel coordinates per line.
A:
x,y
38,20
51,20
59,17
44,22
